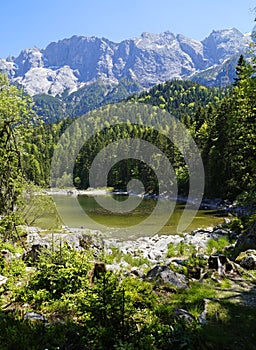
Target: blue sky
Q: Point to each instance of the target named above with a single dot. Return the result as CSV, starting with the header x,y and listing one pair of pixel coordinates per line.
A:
x,y
30,23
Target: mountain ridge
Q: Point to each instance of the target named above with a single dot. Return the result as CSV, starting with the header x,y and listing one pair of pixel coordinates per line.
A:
x,y
70,64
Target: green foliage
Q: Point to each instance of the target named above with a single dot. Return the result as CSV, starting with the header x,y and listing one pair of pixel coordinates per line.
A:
x,y
190,102
8,226
39,146
231,148
181,98
109,314
16,115
17,333
127,313
13,248
194,266
230,326
38,209
216,246
52,109
63,271
180,249
236,225
221,121
14,269
117,256
194,296
248,198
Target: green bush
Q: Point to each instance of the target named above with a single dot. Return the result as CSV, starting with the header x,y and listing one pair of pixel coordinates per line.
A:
x,y
180,249
217,246
111,313
60,272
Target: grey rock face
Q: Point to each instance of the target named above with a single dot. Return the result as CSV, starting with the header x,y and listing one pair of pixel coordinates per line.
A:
x,y
184,315
247,240
69,64
155,248
28,59
248,262
166,275
221,43
247,259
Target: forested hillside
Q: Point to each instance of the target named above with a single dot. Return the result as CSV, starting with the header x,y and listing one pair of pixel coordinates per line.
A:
x,y
189,102
221,121
185,100
54,109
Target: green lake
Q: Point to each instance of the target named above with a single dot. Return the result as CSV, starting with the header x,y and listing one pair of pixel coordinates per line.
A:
x,y
84,211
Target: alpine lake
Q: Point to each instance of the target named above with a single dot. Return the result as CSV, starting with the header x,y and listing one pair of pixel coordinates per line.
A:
x,y
84,211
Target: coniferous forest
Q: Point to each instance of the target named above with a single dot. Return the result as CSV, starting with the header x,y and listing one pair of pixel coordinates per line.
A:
x,y
221,121
81,304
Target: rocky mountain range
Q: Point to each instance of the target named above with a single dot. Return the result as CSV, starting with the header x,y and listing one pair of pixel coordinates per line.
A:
x,y
69,65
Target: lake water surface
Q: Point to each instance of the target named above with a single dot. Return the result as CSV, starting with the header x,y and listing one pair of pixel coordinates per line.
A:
x,y
85,211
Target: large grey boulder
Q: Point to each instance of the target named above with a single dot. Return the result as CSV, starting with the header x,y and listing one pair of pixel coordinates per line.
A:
x,y
247,240
184,315
163,274
247,259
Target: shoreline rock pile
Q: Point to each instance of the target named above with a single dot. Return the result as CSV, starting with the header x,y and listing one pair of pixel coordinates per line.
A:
x,y
153,248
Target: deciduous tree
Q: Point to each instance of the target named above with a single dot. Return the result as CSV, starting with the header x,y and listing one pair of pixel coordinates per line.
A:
x,y
16,114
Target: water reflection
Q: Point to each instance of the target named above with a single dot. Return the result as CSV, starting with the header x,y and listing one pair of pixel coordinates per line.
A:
x,y
116,222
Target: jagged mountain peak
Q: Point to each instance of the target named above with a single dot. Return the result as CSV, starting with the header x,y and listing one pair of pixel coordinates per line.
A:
x,y
226,32
223,44
69,64
168,35
28,59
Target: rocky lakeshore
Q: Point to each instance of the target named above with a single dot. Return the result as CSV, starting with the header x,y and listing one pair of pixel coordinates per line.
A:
x,y
205,267
153,248
158,250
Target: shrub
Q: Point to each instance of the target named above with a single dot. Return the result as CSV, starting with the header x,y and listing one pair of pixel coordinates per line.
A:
x,y
180,249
